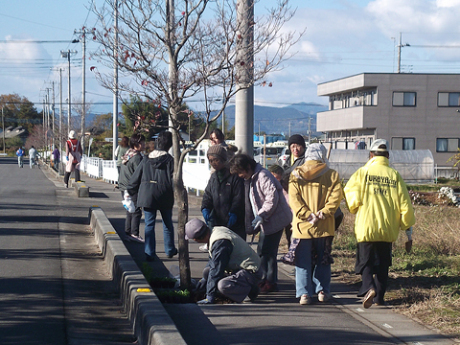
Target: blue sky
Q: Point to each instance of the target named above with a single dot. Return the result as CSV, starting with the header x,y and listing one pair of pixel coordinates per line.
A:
x,y
342,38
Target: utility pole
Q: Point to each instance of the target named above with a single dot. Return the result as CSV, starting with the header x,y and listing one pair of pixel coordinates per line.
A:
x,y
244,107
399,51
66,55
115,79
3,127
83,33
60,112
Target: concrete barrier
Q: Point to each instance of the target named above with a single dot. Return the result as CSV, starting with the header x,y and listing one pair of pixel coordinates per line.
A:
x,y
151,323
81,189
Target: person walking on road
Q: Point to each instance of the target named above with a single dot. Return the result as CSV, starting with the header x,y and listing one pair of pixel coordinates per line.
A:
x,y
56,158
379,197
20,154
233,267
130,161
73,152
266,211
223,199
153,181
32,156
315,194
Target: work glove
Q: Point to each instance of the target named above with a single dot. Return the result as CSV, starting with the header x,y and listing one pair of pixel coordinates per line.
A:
x,y
206,214
231,219
409,240
207,300
256,222
312,219
201,286
67,158
320,215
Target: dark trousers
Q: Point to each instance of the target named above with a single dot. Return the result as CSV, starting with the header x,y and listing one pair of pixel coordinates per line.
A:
x,y
373,262
67,176
267,249
133,220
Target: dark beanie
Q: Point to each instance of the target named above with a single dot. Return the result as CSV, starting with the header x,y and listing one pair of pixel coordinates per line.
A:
x,y
218,151
296,139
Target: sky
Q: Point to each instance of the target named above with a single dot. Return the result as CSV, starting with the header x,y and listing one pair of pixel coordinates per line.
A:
x,y
341,38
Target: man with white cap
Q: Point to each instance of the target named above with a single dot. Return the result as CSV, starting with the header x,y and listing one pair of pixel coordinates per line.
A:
x,y
228,253
379,197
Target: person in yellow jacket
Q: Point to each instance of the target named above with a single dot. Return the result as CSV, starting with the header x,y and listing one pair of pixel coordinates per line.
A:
x,y
315,194
379,197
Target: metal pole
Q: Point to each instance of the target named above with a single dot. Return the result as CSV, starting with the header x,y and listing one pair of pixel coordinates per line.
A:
x,y
53,119
69,110
3,127
83,92
399,53
115,79
60,110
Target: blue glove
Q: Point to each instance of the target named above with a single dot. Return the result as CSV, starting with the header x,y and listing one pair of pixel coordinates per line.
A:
x,y
207,300
67,158
206,214
231,219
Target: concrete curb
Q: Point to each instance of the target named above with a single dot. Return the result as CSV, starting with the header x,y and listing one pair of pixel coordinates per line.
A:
x,y
152,325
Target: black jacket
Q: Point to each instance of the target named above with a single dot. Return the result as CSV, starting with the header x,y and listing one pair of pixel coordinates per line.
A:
x,y
224,197
152,180
127,170
288,169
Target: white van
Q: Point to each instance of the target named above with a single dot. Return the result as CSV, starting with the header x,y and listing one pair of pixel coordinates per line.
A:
x,y
271,156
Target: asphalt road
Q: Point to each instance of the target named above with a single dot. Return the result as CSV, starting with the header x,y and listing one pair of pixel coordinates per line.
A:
x,y
54,286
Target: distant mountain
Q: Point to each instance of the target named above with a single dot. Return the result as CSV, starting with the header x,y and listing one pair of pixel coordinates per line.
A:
x,y
291,119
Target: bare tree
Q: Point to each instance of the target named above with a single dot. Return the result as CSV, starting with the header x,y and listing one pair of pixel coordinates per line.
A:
x,y
172,50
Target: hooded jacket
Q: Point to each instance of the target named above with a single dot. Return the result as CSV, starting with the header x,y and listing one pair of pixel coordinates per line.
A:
x,y
379,197
127,169
152,180
314,187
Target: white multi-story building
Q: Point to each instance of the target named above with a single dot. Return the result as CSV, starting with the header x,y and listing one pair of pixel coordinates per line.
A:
x,y
411,111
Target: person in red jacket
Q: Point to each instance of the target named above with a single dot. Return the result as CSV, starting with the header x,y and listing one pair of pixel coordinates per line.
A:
x,y
73,152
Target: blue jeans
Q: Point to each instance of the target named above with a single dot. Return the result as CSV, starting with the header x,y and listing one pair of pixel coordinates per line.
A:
x,y
311,279
267,249
150,215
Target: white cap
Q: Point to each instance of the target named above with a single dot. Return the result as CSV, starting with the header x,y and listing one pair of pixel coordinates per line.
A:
x,y
378,142
72,134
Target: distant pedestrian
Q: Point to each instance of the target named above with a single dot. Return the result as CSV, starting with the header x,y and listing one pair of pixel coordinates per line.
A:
x,y
32,156
379,197
153,180
56,158
120,152
315,194
266,211
129,163
223,198
73,152
216,137
20,154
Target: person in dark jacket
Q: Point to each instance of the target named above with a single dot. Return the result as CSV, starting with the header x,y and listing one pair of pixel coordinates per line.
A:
x,y
129,162
154,181
223,199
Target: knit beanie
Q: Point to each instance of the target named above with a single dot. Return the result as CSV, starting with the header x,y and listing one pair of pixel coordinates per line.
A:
x,y
218,151
296,139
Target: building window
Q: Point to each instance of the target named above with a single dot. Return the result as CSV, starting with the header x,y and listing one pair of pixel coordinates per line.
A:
x,y
449,99
447,144
402,143
404,99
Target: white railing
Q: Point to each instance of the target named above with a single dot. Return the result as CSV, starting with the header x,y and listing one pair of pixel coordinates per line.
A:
x,y
92,166
110,171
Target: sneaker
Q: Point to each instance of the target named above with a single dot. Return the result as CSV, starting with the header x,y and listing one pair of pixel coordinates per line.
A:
x,y
174,252
203,248
305,300
137,239
369,299
269,287
323,297
66,185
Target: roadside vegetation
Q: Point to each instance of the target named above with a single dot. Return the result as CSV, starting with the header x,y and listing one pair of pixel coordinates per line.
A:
x,y
425,283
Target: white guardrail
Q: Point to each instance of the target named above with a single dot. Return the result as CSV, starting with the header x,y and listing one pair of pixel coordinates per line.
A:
x,y
196,170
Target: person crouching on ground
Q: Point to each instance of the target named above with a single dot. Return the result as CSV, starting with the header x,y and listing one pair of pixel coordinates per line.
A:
x,y
266,211
223,199
228,253
315,193
379,197
153,180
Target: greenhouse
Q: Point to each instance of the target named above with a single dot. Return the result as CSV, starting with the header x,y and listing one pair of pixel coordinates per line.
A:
x,y
415,166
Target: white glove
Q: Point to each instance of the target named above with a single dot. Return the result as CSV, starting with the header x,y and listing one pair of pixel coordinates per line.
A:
x,y
312,219
256,222
409,234
320,215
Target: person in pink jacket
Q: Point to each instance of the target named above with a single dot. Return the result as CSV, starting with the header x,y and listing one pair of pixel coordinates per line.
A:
x,y
267,211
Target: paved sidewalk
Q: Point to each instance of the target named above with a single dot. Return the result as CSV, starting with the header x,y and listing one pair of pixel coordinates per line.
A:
x,y
274,318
